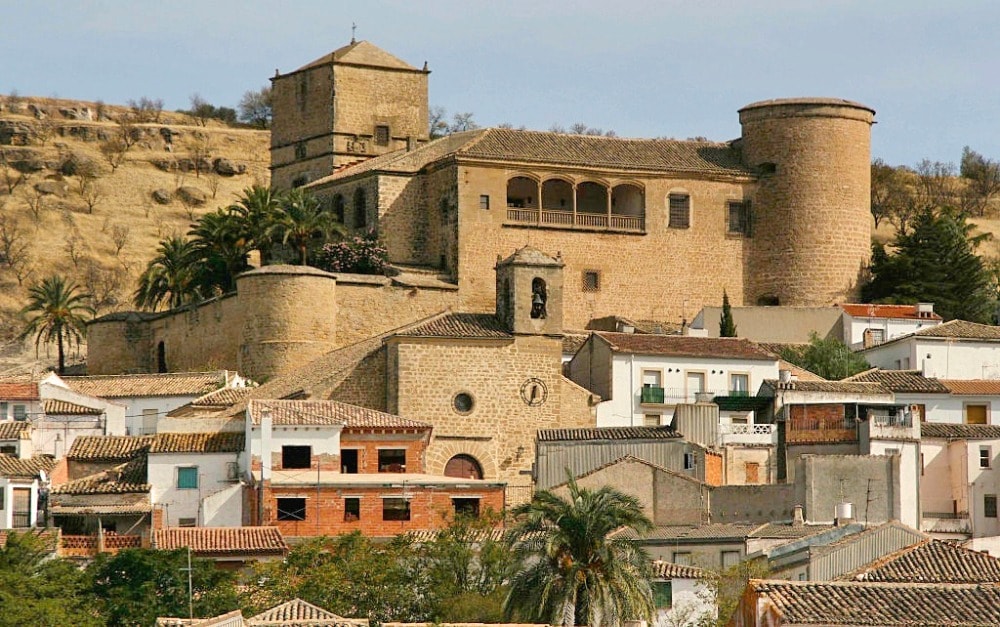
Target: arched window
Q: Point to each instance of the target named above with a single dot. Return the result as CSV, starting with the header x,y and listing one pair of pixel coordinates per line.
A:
x,y
627,200
591,198
539,297
360,209
338,207
161,357
557,194
464,466
522,193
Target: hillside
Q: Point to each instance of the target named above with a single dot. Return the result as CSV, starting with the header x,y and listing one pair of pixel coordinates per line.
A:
x,y
52,166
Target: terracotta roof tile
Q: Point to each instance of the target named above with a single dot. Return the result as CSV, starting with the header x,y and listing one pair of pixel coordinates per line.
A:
x,y
224,442
686,346
953,329
286,412
107,448
959,431
97,509
360,53
714,531
126,478
528,255
608,433
863,310
293,613
669,570
18,392
132,385
932,561
786,530
56,407
973,387
883,604
222,540
223,397
906,381
459,325
841,387
13,429
12,466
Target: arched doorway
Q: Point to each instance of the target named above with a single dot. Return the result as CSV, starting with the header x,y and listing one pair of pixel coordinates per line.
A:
x,y
464,466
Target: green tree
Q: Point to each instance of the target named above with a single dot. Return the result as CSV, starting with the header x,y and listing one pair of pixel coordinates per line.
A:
x,y
829,358
574,561
256,212
57,311
727,328
171,276
302,221
37,589
256,108
982,181
892,197
136,586
727,585
934,261
220,249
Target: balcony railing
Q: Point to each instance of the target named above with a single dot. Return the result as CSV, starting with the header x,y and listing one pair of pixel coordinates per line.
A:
x,y
673,396
652,395
90,545
748,434
21,519
560,218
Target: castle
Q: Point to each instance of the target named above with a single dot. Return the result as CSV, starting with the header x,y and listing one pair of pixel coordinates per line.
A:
x,y
646,229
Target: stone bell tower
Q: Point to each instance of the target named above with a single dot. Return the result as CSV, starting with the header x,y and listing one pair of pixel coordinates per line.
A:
x,y
530,292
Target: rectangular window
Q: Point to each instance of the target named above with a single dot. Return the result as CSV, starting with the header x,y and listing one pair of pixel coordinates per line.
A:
x,y
392,460
985,456
187,522
990,505
874,337
739,218
296,457
730,558
395,509
20,412
591,281
3,498
651,420
484,201
663,596
349,461
381,135
148,422
466,506
689,461
682,558
300,150
4,408
974,414
187,478
8,449
291,508
739,384
680,211
352,509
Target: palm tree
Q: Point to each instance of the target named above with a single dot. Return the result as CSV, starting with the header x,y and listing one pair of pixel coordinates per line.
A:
x,y
302,220
170,276
576,561
256,211
221,249
55,313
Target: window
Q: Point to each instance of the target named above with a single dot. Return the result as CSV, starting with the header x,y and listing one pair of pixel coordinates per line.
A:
x,y
20,412
8,449
464,466
291,508
985,456
392,460
349,461
360,209
739,217
4,408
381,135
296,457
539,296
682,558
352,509
651,420
680,211
3,496
187,522
338,208
663,596
395,509
187,478
689,461
591,281
300,150
148,421
484,201
468,507
974,414
463,403
730,558
739,384
990,505
874,337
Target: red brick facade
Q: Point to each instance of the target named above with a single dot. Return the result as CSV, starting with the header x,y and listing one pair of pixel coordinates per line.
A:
x,y
713,468
819,423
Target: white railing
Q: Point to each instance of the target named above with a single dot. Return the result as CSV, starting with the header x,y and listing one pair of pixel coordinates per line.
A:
x,y
748,434
765,429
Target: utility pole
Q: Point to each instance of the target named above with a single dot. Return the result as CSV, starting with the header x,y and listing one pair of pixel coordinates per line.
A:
x,y
190,594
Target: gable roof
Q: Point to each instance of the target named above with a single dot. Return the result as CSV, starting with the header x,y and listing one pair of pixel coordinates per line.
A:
x,y
222,540
223,397
903,381
288,412
951,330
959,431
841,387
361,53
931,561
459,325
883,604
19,392
865,310
973,387
695,533
14,429
686,346
592,434
107,448
12,466
126,478
56,407
294,613
134,385
669,570
221,442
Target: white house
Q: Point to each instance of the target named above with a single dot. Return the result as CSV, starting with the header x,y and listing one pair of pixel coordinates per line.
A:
x,y
641,378
67,414
195,478
949,401
20,484
681,596
868,325
953,350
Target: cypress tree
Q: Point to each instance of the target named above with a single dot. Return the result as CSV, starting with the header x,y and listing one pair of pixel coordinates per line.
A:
x,y
727,328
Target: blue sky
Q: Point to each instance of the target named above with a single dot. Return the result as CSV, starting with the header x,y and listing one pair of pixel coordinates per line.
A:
x,y
643,68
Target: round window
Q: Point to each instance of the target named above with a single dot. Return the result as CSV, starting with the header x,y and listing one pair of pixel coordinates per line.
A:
x,y
463,402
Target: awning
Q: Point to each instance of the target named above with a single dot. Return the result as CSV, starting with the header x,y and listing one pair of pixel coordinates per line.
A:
x,y
742,403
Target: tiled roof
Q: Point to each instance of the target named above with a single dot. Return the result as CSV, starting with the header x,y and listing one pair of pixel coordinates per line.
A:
x,y
222,540
973,387
882,604
285,412
905,381
107,448
459,325
98,509
669,570
959,431
608,433
56,407
839,387
954,330
223,397
786,530
294,613
714,531
224,442
12,429
132,385
686,346
862,310
12,466
932,561
799,373
528,255
361,53
126,478
18,391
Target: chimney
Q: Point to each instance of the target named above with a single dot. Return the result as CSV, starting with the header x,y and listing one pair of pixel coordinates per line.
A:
x,y
797,518
785,376
265,444
925,310
844,514
411,143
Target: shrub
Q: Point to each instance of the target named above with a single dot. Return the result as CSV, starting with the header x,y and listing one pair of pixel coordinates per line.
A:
x,y
361,254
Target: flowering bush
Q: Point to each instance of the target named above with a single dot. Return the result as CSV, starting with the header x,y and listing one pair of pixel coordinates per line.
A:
x,y
358,255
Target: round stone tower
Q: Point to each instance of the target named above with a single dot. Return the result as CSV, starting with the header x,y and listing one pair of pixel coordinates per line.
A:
x,y
289,318
811,228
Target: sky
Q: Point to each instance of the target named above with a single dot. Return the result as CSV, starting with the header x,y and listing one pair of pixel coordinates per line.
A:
x,y
643,68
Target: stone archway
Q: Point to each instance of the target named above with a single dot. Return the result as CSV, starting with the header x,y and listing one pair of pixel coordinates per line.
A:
x,y
463,466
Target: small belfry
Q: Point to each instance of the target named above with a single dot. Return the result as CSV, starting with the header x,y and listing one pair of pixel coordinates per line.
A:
x,y
529,292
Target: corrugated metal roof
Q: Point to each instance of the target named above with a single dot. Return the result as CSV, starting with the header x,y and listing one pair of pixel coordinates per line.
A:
x,y
608,433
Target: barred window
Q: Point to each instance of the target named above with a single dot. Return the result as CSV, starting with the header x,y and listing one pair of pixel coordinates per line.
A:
x,y
739,218
381,135
591,281
680,211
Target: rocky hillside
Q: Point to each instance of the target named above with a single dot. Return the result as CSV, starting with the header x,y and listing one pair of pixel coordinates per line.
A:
x,y
87,190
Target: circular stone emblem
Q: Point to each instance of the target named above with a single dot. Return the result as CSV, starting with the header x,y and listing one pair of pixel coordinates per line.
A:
x,y
534,392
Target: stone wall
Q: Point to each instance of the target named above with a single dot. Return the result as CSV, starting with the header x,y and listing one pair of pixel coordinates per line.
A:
x,y
370,305
752,503
870,482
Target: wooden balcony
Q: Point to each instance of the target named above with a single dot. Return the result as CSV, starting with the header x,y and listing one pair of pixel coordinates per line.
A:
x,y
562,219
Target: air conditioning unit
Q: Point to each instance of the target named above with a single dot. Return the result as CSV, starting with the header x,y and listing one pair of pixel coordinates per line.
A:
x,y
232,471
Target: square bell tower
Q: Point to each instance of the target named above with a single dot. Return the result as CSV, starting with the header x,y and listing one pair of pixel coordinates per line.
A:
x,y
530,292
